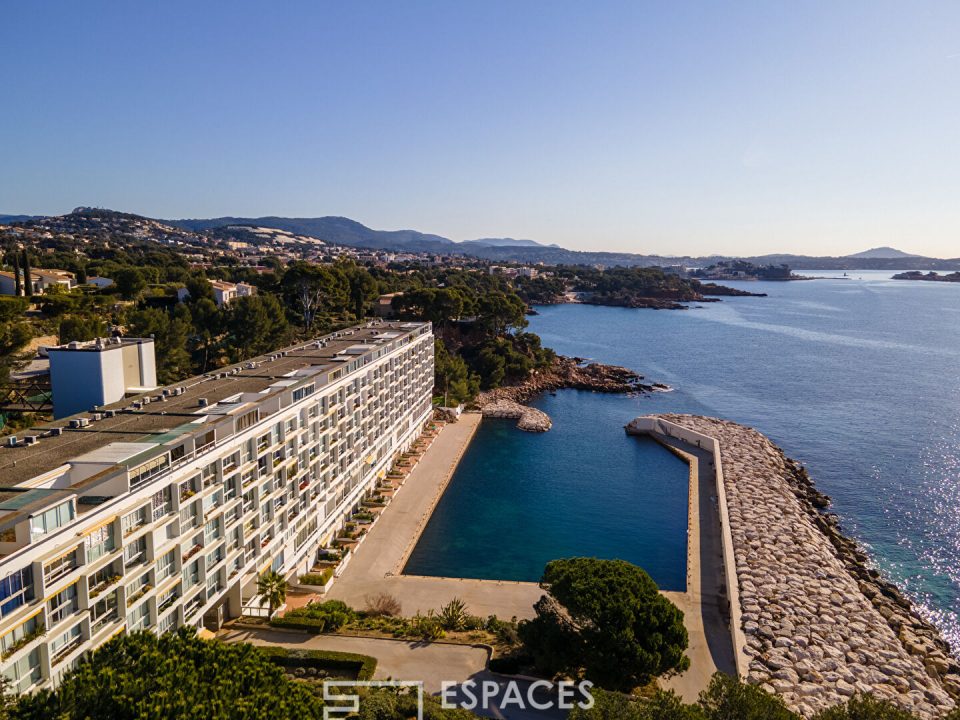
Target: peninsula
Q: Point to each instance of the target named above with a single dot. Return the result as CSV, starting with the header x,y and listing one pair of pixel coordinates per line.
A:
x,y
930,276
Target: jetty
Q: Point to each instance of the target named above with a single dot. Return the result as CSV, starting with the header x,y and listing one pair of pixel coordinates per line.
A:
x,y
807,618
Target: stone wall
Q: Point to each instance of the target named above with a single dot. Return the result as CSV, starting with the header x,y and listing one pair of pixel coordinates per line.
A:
x,y
816,632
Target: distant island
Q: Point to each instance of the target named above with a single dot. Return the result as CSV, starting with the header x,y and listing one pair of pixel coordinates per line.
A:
x,y
743,270
930,276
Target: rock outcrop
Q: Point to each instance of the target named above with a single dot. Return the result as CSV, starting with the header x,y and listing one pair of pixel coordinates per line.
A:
x,y
565,373
820,624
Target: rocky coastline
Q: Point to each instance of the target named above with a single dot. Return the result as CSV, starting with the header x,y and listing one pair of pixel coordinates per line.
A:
x,y
820,623
929,277
565,373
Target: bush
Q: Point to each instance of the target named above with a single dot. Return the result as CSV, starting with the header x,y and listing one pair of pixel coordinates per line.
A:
x,y
729,699
319,579
360,667
510,664
427,626
383,605
327,616
866,707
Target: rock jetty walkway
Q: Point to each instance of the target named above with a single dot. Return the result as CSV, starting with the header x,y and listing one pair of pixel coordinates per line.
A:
x,y
818,626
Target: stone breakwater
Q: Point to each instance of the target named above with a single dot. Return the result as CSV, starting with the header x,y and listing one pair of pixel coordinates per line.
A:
x,y
564,373
528,418
820,625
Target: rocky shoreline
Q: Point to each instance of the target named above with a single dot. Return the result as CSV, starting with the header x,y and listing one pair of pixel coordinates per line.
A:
x,y
565,373
820,624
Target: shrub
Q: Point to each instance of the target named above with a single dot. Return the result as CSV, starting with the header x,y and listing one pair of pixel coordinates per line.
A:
x,y
319,579
866,707
727,698
427,626
327,616
383,604
356,666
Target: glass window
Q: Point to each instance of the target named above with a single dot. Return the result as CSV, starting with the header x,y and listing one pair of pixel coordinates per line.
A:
x,y
25,672
16,590
99,542
63,604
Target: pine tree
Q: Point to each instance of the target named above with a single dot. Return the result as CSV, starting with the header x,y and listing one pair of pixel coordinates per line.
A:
x,y
16,275
27,275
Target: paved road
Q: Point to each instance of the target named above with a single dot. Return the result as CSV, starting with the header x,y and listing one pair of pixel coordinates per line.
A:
x,y
378,561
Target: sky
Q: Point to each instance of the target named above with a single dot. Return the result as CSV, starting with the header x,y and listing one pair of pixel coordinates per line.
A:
x,y
672,127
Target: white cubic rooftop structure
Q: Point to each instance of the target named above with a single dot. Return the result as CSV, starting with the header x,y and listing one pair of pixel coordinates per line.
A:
x,y
99,372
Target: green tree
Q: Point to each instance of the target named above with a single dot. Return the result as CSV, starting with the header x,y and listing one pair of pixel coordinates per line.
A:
x,y
608,618
130,282
170,331
867,707
27,275
255,324
363,290
726,698
617,706
452,377
76,327
176,675
272,590
208,321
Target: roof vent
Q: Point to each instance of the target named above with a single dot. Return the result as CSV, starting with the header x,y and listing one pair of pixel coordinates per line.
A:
x,y
56,432
31,440
12,441
97,417
202,402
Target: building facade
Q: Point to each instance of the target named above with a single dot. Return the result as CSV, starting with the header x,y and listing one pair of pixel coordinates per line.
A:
x,y
162,510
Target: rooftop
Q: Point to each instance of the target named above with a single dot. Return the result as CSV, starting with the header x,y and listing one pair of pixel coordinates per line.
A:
x,y
152,418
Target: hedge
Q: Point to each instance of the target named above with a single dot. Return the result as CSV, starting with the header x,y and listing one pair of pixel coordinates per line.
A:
x,y
362,665
318,579
314,625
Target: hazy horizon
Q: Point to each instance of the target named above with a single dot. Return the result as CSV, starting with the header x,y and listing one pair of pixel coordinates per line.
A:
x,y
675,129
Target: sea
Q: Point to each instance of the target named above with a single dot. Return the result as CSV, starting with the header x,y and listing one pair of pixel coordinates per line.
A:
x,y
856,376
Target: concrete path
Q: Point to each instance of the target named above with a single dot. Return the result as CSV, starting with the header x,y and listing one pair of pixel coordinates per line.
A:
x,y
378,561
432,663
710,648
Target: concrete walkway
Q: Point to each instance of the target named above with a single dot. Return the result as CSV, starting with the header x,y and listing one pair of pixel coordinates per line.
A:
x,y
432,663
378,561
710,646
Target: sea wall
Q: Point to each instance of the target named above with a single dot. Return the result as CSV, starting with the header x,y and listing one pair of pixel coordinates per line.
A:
x,y
817,625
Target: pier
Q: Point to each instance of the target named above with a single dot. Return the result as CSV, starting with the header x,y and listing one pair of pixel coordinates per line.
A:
x,y
800,624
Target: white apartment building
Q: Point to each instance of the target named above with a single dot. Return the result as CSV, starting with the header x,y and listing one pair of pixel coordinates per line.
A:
x,y
161,510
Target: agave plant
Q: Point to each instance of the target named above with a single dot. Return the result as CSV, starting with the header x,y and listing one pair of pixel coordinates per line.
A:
x,y
453,615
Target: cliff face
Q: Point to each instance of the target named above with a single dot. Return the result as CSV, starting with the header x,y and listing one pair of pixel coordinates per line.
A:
x,y
820,625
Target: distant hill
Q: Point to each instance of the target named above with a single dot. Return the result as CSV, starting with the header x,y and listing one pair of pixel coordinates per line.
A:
x,y
881,252
344,231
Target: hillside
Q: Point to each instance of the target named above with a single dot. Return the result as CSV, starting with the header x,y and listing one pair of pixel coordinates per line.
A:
x,y
882,252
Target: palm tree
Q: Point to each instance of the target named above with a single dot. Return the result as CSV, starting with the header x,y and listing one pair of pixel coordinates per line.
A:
x,y
272,590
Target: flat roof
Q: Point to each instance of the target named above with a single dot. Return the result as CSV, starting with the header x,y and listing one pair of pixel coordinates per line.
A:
x,y
156,422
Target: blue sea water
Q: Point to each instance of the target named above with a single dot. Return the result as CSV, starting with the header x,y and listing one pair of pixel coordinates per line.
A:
x,y
859,378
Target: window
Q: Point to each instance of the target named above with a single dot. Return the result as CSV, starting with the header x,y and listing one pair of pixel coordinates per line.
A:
x,y
135,552
16,590
134,521
300,393
248,420
167,599
178,453
65,644
148,470
51,519
24,673
63,604
191,574
161,503
99,542
28,630
139,618
166,565
104,612
63,565
168,623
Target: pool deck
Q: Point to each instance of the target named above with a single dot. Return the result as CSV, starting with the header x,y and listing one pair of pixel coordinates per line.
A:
x,y
377,564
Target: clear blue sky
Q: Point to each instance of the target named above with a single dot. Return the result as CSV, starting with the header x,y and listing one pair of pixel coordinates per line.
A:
x,y
815,127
